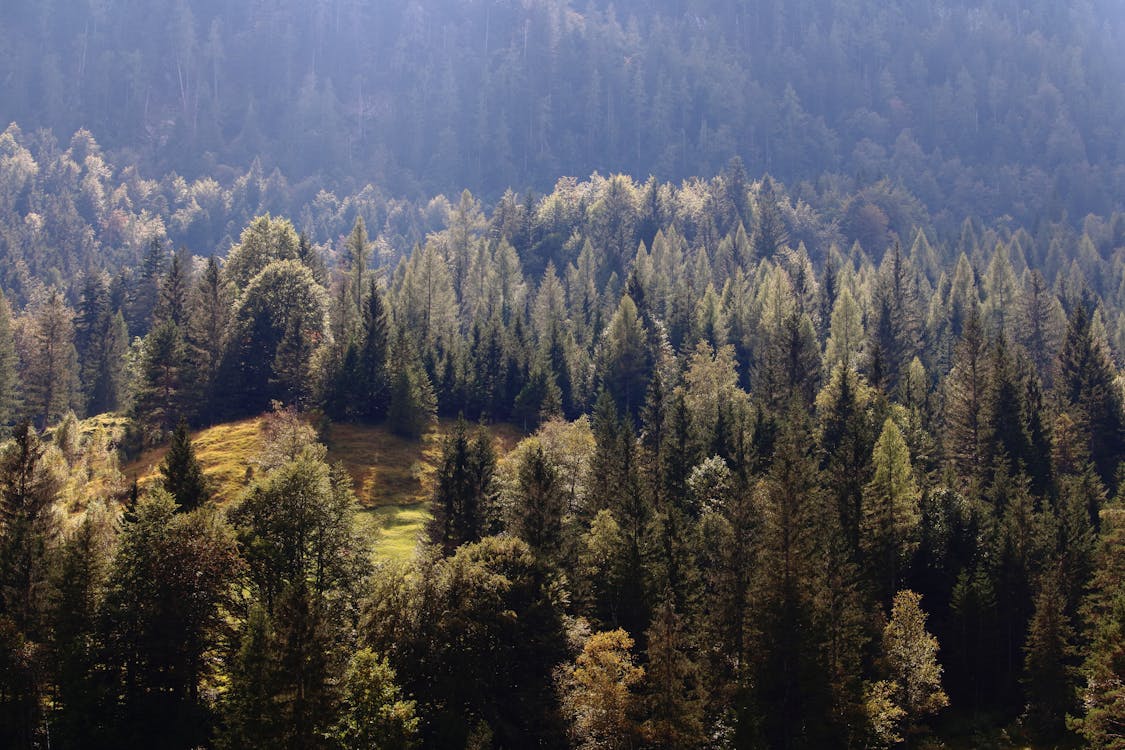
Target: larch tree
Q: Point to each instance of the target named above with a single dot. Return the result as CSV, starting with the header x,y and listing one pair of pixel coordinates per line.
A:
x,y
49,361
845,333
889,524
910,662
600,693
9,372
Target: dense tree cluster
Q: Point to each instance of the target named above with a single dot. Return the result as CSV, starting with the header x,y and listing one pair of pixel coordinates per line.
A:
x,y
775,491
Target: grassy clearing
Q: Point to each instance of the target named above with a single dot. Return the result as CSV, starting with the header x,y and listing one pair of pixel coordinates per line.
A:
x,y
393,477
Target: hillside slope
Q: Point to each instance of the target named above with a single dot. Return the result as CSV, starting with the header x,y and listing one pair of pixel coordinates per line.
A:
x,y
392,476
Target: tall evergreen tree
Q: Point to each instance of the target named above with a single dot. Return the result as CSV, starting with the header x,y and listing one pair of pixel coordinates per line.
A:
x,y
673,706
413,406
462,488
1087,380
770,234
170,585
182,475
1049,670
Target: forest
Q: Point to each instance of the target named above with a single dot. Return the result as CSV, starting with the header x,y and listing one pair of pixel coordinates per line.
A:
x,y
771,490
681,375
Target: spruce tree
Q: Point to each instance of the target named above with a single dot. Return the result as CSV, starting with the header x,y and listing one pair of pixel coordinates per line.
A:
x,y
462,487
371,363
1049,664
49,360
770,234
537,516
183,476
1102,689
413,407
1087,379
672,703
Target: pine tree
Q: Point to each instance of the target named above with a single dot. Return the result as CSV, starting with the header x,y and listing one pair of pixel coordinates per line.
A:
x,y
770,234
1103,690
625,365
210,311
106,385
537,515
78,580
965,427
29,487
158,401
895,333
371,374
358,254
172,303
1041,323
413,406
183,476
49,360
789,692
169,586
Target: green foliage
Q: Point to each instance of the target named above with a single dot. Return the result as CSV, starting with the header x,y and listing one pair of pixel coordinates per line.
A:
x,y
374,715
413,406
463,489
910,657
890,512
167,596
276,326
183,477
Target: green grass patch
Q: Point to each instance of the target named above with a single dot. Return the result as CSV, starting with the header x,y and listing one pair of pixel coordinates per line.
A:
x,y
392,476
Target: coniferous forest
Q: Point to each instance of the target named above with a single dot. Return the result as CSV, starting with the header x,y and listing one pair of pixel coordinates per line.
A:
x,y
755,369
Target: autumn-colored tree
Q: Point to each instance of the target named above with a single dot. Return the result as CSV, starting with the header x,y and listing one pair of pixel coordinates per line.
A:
x,y
599,693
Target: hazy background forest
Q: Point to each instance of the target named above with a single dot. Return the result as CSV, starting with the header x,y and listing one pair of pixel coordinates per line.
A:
x,y
482,374
985,108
